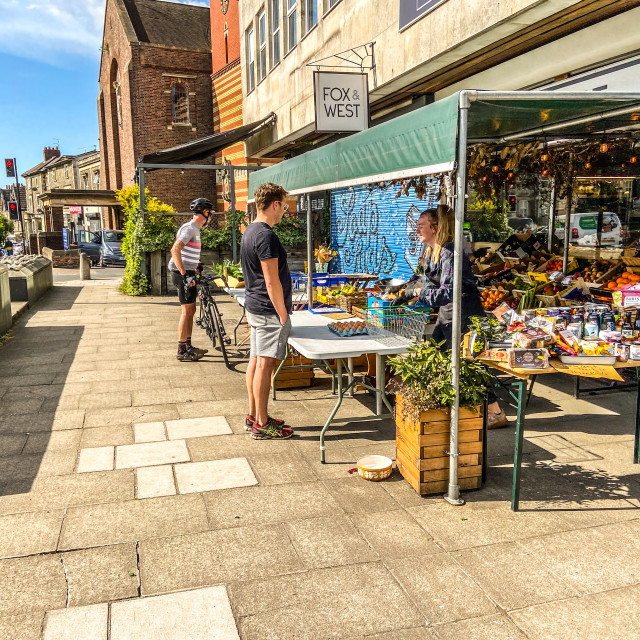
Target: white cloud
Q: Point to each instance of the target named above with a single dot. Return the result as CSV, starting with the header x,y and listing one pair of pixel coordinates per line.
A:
x,y
51,30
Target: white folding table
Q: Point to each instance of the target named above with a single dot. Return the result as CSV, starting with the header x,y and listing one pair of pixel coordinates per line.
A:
x,y
312,338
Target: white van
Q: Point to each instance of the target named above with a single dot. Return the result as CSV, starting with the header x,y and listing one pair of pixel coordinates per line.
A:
x,y
584,226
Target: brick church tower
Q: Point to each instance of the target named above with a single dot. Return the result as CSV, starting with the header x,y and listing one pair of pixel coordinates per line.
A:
x,y
227,90
155,93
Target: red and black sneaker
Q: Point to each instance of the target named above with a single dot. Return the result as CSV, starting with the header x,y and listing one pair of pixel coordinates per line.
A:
x,y
249,420
270,431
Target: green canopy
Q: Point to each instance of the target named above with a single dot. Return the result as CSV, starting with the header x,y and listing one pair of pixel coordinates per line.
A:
x,y
420,142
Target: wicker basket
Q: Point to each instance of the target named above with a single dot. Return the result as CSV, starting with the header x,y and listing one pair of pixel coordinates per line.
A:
x,y
631,261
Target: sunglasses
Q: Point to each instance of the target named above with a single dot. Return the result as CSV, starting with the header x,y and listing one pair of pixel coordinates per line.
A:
x,y
284,205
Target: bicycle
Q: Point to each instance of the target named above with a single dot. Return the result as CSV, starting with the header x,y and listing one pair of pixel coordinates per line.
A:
x,y
210,318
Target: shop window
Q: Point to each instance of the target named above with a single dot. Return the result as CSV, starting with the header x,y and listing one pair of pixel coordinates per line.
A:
x,y
292,36
180,103
274,25
262,46
96,179
251,61
309,15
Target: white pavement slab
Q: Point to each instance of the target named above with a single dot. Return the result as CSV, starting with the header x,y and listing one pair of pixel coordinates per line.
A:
x,y
198,427
149,432
95,459
214,475
151,454
77,623
202,614
154,482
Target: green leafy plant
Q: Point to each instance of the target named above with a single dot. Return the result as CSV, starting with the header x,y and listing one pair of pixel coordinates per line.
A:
x,y
6,227
487,220
223,237
291,231
425,380
233,269
142,233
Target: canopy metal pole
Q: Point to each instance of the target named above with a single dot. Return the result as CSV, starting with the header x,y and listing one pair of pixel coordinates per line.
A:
x,y
232,209
143,204
552,218
309,253
567,221
453,496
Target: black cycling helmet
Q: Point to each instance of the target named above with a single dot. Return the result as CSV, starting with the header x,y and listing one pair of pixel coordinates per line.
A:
x,y
199,205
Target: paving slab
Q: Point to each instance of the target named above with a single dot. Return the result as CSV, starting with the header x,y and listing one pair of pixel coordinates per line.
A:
x,y
59,492
214,475
395,534
149,432
204,614
197,427
96,459
106,436
442,591
101,574
129,415
106,399
12,445
327,542
235,446
23,534
512,576
159,396
354,601
22,627
268,504
280,468
613,615
151,454
415,633
94,525
21,594
153,482
211,557
39,442
77,622
495,627
356,495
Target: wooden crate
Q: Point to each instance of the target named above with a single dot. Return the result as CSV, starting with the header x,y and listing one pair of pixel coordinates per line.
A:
x,y
293,375
421,449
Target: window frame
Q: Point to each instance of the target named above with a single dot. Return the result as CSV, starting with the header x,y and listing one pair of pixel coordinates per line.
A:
x,y
184,87
306,4
330,5
274,33
261,67
251,63
291,7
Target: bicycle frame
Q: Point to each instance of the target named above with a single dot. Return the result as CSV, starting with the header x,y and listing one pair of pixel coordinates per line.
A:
x,y
210,318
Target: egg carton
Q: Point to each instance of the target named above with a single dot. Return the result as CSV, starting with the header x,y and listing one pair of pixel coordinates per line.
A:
x,y
346,329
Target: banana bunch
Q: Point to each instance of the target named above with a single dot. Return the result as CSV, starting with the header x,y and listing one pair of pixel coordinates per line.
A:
x,y
348,290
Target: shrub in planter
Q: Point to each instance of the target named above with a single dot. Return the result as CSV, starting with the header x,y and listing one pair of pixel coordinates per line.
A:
x,y
424,397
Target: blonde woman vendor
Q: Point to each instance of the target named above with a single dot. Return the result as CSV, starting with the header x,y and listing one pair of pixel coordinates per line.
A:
x,y
435,229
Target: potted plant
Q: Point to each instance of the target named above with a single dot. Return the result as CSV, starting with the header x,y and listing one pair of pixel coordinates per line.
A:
x,y
424,397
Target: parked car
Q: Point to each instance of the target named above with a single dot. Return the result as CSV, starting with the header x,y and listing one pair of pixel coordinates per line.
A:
x,y
103,248
522,225
584,227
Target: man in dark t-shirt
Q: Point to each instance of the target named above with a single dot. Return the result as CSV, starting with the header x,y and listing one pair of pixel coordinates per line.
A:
x,y
268,305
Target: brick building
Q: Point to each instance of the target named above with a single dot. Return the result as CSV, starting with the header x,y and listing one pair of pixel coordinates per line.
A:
x,y
227,93
155,93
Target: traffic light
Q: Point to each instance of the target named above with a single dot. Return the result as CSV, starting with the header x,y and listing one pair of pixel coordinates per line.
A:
x,y
512,204
10,167
13,211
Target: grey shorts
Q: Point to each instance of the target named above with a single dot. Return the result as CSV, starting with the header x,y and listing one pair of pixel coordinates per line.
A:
x,y
268,336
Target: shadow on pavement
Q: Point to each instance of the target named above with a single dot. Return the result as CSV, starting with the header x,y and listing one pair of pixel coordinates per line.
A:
x,y
35,367
63,299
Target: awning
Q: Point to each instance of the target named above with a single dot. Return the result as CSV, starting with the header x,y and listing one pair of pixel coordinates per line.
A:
x,y
205,147
417,143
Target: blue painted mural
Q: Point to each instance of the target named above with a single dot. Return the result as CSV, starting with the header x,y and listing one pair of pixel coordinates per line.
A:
x,y
375,232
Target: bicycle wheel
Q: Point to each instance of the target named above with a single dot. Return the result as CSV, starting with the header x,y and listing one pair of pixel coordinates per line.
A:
x,y
211,325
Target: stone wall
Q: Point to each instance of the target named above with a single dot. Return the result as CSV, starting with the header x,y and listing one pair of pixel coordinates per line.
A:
x,y
31,280
69,259
5,300
51,239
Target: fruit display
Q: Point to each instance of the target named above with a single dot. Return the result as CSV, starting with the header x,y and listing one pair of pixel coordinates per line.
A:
x,y
595,271
554,265
623,281
533,263
491,297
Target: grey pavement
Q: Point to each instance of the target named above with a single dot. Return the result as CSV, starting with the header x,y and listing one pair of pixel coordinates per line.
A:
x,y
134,505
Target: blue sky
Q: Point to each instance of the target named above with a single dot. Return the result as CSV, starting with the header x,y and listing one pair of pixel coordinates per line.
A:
x,y
49,56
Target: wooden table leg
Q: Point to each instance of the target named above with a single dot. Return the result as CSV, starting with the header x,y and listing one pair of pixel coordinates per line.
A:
x,y
636,444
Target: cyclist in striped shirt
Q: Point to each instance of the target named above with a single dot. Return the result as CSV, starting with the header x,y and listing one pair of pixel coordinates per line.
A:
x,y
185,261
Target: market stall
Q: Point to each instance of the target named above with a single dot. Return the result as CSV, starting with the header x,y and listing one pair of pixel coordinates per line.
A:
x,y
551,131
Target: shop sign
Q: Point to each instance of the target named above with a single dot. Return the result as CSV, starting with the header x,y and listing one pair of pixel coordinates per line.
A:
x,y
317,201
341,101
412,10
74,211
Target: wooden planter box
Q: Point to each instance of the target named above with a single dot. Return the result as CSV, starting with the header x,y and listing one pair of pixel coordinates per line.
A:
x,y
421,446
